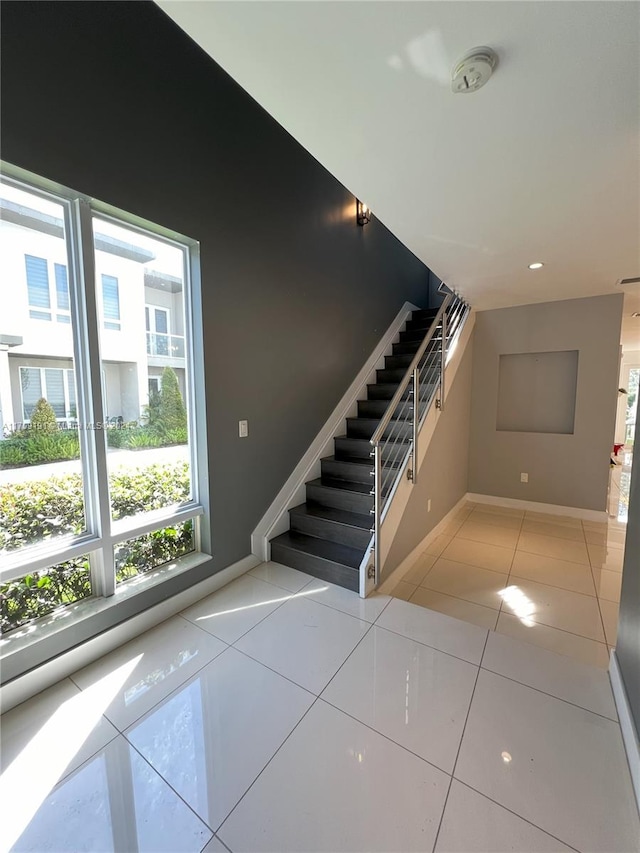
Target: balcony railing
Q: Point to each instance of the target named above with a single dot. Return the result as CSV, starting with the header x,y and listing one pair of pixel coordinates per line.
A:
x,y
169,346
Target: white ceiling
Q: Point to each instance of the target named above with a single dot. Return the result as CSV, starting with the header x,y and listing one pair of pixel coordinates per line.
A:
x,y
543,164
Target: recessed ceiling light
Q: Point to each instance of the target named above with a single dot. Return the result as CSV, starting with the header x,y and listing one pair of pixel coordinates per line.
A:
x,y
536,266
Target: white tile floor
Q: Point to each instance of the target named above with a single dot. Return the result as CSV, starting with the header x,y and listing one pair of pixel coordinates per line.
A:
x,y
284,714
550,580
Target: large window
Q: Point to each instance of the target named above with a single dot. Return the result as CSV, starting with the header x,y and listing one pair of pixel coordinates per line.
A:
x,y
98,473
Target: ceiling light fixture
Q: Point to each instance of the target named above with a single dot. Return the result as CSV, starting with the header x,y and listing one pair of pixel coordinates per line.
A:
x,y
536,265
363,213
473,70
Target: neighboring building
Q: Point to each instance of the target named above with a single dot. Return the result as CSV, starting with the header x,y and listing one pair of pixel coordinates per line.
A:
x,y
140,314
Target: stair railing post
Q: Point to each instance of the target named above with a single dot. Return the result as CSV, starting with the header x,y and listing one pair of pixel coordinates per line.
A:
x,y
443,358
377,510
416,421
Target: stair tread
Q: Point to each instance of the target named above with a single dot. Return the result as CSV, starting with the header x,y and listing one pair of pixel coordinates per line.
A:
x,y
364,463
344,555
339,516
341,485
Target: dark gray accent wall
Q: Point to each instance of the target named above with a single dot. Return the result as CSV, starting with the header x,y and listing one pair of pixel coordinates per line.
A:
x,y
444,471
628,642
564,469
114,100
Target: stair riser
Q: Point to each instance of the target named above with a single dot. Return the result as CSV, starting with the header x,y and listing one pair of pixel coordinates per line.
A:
x,y
319,568
385,391
393,362
352,471
412,335
425,314
359,429
410,348
377,408
323,528
340,499
387,377
421,324
352,448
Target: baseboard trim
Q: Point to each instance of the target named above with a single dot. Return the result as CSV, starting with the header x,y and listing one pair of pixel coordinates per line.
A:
x,y
401,570
630,736
25,686
536,506
276,518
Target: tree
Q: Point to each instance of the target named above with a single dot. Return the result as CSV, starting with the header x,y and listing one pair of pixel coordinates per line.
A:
x,y
43,418
173,414
166,411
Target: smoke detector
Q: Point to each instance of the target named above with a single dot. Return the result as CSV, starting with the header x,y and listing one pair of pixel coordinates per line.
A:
x,y
474,69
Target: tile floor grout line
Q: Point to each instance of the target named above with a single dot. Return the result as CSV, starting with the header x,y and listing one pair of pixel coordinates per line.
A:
x,y
435,648
464,728
564,631
457,598
451,595
383,735
216,832
316,699
171,692
551,557
275,672
316,601
552,695
507,809
169,785
515,551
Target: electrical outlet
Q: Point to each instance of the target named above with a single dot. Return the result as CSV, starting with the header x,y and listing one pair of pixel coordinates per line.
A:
x,y
429,505
524,478
243,429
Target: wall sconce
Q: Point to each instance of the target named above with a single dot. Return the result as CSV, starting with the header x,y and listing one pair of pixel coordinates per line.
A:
x,y
363,213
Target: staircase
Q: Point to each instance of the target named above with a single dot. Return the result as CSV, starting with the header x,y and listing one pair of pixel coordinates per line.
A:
x,y
329,534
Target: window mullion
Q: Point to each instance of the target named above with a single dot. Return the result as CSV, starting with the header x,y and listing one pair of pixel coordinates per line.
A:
x,y
90,404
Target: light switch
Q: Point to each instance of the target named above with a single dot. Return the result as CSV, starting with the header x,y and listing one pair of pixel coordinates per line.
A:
x,y
243,429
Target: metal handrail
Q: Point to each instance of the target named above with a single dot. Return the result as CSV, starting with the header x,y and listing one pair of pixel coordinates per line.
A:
x,y
392,433
402,387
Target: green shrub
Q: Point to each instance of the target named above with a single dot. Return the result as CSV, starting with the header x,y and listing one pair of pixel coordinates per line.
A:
x,y
10,454
41,509
151,487
42,592
117,437
148,552
43,418
177,436
38,448
142,439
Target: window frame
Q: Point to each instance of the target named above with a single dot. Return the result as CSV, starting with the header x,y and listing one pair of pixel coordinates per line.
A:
x,y
102,534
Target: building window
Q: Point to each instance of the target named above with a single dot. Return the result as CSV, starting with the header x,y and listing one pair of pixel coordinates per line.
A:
x,y
38,288
121,495
157,326
62,294
111,302
153,383
39,292
55,385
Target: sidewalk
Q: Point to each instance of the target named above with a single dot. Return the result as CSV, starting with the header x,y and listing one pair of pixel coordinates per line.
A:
x,y
115,459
